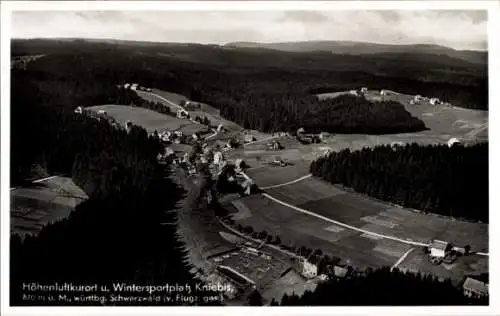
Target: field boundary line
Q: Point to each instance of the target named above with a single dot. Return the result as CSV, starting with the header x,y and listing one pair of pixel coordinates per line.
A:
x,y
405,241
166,100
403,257
261,140
287,183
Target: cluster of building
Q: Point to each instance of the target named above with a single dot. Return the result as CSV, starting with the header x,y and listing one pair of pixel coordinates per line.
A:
x,y
359,92
135,87
310,138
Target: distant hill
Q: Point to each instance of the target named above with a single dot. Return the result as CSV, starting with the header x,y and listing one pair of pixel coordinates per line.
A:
x,y
360,48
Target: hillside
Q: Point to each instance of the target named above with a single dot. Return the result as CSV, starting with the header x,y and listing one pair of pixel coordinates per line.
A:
x,y
360,48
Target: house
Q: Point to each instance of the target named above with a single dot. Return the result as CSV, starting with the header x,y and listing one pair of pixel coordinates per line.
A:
x,y
364,90
434,101
323,136
218,157
239,164
473,287
126,86
195,136
178,133
438,248
134,86
417,98
309,270
353,92
453,142
182,114
102,112
340,272
300,131
249,138
383,92
79,110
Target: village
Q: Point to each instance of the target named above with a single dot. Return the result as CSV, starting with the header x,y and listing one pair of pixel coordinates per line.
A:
x,y
258,260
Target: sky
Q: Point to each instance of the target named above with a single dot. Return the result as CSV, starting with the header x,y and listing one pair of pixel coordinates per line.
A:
x,y
456,29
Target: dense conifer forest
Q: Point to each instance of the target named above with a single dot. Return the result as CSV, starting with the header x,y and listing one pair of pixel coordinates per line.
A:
x,y
383,287
436,179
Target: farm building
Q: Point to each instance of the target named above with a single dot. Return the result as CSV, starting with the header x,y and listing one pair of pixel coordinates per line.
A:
x,y
182,114
275,145
300,131
79,110
395,145
218,157
438,248
323,136
309,270
434,101
364,90
340,272
383,92
239,164
134,86
178,133
417,98
453,142
353,92
220,128
126,86
473,287
195,136
248,138
102,112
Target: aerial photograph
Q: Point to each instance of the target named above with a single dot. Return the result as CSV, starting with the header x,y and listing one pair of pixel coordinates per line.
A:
x,y
249,158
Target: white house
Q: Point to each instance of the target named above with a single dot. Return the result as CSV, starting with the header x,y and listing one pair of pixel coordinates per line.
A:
x,y
438,248
178,133
126,86
473,287
417,98
364,90
353,92
309,270
453,141
134,86
434,101
182,114
102,112
79,110
395,145
383,92
218,157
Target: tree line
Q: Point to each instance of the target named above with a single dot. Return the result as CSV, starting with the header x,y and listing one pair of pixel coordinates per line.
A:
x,y
435,179
383,287
114,236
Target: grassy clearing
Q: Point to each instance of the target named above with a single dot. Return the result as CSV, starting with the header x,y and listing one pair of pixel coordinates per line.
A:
x,y
272,175
290,283
34,207
148,119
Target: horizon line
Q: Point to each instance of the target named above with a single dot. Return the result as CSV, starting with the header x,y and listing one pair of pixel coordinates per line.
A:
x,y
250,42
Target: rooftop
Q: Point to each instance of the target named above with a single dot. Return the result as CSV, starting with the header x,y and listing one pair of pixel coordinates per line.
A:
x,y
438,244
476,286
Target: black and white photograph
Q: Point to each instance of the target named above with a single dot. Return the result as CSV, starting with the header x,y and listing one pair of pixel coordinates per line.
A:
x,y
208,155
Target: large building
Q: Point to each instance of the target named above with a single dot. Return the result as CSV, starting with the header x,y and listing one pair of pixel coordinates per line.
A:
x,y
309,270
438,248
473,287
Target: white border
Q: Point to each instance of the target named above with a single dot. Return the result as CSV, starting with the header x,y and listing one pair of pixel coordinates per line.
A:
x,y
494,50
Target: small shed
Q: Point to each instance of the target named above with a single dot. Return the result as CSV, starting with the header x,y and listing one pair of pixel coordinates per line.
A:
x,y
473,287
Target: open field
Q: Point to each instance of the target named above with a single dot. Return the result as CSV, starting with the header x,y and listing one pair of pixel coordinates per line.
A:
x,y
272,175
205,110
41,203
150,120
380,217
299,229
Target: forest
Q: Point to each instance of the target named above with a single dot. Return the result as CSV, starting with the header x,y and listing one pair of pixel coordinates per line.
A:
x,y
264,89
435,179
115,235
383,287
